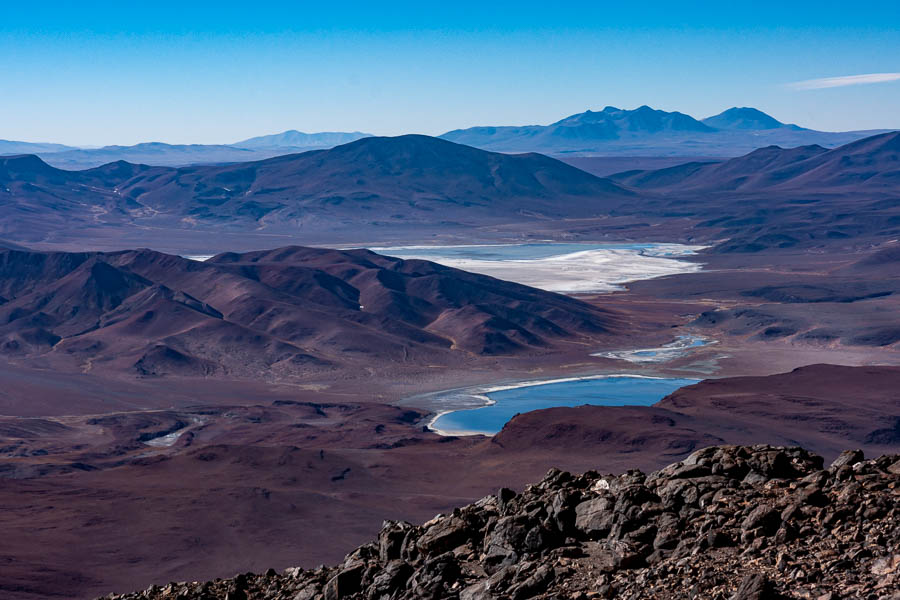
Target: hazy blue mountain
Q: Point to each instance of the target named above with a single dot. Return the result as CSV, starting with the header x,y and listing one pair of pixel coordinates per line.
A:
x,y
747,118
645,131
870,164
9,147
640,121
414,187
375,183
180,155
611,132
298,139
579,130
152,153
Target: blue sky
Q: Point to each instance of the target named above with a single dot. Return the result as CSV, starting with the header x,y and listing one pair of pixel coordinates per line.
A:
x,y
197,72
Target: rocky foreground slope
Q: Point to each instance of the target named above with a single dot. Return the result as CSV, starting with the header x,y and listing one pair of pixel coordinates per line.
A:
x,y
729,522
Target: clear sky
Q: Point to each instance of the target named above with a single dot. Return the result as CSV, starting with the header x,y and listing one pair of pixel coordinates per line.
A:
x,y
216,72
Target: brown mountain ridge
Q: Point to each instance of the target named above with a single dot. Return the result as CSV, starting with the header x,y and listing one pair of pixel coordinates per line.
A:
x,y
287,312
406,181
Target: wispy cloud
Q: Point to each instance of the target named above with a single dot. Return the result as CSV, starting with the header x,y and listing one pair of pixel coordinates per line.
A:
x,y
830,82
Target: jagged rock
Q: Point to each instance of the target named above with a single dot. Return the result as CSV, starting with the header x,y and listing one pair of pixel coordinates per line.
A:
x,y
762,517
504,496
536,583
490,588
508,538
392,578
346,583
886,565
728,522
390,540
562,510
307,593
848,458
755,587
594,518
623,555
434,577
444,535
668,532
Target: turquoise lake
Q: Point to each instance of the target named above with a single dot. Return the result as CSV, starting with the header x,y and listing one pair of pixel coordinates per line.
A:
x,y
506,403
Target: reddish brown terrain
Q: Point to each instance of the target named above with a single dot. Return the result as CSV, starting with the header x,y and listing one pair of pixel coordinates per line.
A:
x,y
165,418
374,188
416,188
287,314
604,166
292,476
776,198
738,522
302,464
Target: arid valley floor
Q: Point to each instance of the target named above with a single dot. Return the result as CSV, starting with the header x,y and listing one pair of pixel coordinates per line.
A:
x,y
167,419
295,470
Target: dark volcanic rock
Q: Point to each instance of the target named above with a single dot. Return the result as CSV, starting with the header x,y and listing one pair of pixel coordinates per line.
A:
x,y
729,522
756,587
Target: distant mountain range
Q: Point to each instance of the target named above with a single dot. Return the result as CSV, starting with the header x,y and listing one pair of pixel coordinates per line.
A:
x,y
405,182
413,187
872,163
176,155
645,131
8,147
749,119
298,139
777,198
611,132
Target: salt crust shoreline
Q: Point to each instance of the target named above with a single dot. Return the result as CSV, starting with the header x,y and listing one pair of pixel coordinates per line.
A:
x,y
480,393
